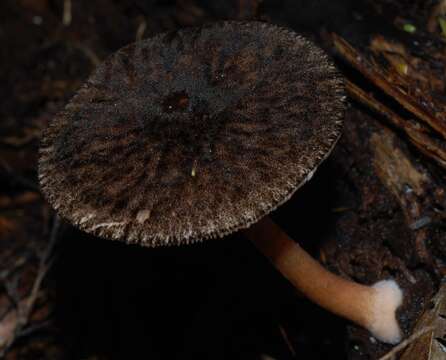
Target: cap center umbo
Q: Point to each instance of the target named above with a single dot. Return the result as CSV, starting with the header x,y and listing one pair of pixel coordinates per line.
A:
x,y
190,123
191,120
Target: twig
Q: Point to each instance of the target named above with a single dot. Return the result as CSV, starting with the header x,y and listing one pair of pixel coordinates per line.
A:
x,y
287,340
381,79
416,133
141,30
67,17
12,293
46,262
90,54
392,353
24,310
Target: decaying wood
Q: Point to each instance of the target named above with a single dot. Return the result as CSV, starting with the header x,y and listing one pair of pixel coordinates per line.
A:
x,y
404,88
427,130
394,85
416,132
410,184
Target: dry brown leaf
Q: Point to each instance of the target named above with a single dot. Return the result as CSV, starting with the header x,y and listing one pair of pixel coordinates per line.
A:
x,y
432,345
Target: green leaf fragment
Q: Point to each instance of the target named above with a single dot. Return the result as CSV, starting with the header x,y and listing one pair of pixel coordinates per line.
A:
x,y
442,23
410,28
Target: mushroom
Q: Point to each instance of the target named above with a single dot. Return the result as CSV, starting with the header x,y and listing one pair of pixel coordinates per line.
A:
x,y
195,134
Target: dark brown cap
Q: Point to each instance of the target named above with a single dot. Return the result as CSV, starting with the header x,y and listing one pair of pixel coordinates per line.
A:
x,y
192,134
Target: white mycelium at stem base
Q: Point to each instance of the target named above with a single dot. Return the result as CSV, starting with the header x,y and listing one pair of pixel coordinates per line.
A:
x,y
372,307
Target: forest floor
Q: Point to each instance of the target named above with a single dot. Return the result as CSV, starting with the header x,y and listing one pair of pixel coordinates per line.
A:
x,y
376,209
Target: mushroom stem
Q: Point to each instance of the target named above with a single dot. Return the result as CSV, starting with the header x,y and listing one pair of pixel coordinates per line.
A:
x,y
372,307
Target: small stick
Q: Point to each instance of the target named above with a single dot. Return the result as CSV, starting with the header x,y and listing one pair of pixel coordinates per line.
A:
x,y
141,30
90,54
287,340
417,133
67,17
379,79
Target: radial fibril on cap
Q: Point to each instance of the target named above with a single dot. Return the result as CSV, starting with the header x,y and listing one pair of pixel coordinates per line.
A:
x,y
192,134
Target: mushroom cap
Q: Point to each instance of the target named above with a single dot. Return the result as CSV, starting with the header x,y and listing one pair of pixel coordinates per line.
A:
x,y
192,134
